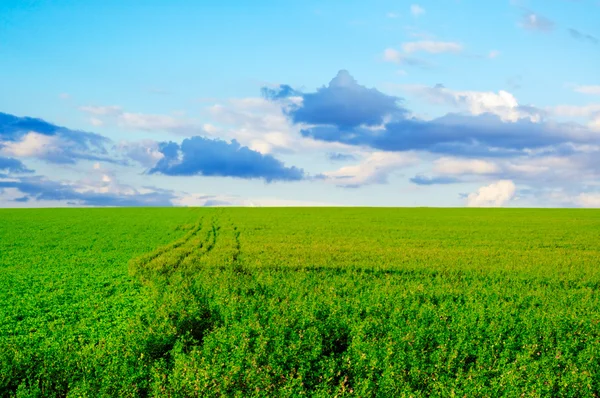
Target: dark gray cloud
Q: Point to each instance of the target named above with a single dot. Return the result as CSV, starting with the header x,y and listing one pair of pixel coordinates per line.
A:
x,y
67,146
346,104
203,156
41,189
454,134
344,114
11,165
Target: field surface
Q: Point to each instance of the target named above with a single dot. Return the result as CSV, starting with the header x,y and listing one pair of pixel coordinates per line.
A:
x,y
292,302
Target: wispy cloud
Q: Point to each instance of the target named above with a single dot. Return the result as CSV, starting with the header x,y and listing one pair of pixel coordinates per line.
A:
x,y
437,180
416,10
590,89
397,57
112,114
432,47
374,169
536,22
103,191
583,36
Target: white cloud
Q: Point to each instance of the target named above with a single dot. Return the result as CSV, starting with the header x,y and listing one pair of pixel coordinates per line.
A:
x,y
594,124
588,200
257,122
375,169
494,195
148,122
144,152
96,122
455,166
503,104
392,15
574,110
262,125
591,112
102,110
64,96
494,54
104,181
432,47
416,10
395,56
101,115
391,55
32,144
592,90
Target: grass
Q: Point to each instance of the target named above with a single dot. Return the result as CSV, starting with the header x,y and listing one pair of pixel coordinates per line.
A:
x,y
292,302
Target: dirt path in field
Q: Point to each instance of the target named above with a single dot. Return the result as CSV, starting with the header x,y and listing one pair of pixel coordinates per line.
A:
x,y
212,241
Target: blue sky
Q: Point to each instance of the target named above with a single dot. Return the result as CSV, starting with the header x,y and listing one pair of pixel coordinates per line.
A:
x,y
379,103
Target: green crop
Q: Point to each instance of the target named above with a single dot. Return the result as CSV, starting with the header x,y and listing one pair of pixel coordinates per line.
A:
x,y
293,302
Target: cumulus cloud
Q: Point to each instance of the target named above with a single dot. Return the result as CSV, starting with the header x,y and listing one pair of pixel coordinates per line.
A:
x,y
263,123
348,113
35,138
494,195
203,156
259,123
502,103
432,47
374,169
346,104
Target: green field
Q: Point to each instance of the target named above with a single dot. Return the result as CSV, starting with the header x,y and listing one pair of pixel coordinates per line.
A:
x,y
290,302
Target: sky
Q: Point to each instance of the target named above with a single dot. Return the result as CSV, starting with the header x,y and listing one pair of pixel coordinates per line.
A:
x,y
444,103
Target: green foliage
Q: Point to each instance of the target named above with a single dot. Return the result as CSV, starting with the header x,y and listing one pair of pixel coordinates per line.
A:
x,y
292,302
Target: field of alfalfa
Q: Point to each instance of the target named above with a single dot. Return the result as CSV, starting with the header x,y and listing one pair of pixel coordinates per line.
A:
x,y
291,302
